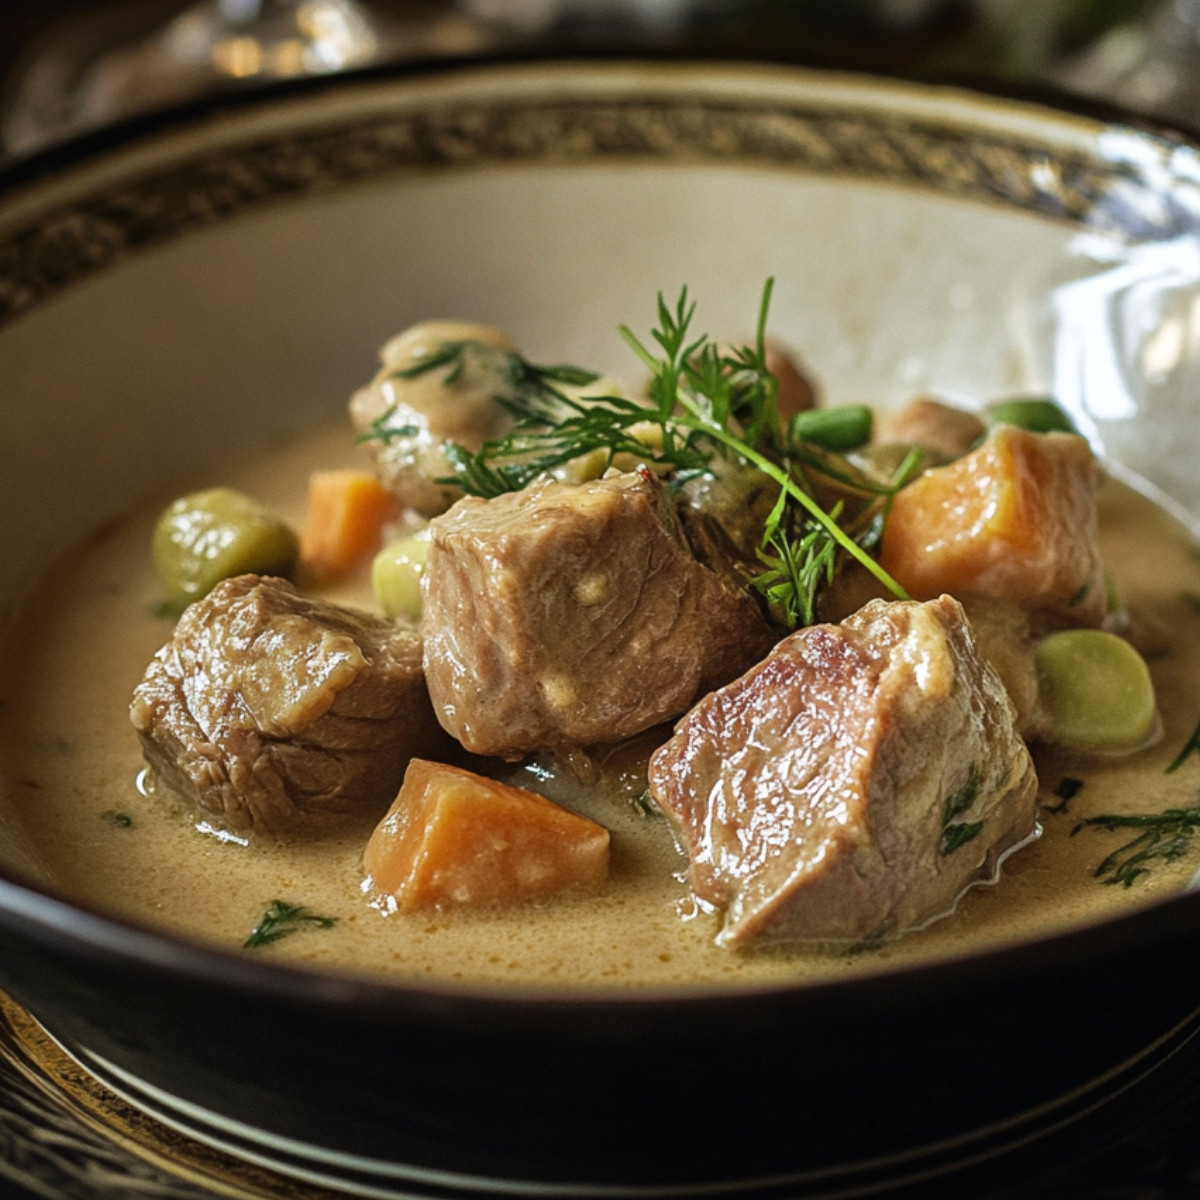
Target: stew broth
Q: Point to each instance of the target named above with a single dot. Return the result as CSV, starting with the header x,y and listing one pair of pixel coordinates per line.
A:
x,y
71,800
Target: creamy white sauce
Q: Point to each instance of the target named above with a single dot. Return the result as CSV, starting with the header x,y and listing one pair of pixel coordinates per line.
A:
x,y
70,803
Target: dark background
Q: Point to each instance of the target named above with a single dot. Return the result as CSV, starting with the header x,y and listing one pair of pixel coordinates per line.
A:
x,y
1109,49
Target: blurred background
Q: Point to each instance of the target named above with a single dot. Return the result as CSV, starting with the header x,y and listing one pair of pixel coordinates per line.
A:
x,y
67,66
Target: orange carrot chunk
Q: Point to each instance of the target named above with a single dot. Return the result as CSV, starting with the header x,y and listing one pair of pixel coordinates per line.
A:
x,y
1015,519
347,511
456,839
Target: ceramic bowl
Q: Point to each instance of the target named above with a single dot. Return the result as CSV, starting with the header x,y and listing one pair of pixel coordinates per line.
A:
x,y
229,274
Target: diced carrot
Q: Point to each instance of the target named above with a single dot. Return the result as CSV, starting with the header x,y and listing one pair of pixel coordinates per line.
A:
x,y
456,839
347,511
1015,519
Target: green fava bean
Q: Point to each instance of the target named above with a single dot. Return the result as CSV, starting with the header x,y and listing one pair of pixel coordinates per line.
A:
x,y
208,536
1037,414
1096,691
396,575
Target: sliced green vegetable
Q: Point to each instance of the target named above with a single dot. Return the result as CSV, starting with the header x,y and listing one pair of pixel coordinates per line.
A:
x,y
843,428
211,535
396,575
1037,414
1096,691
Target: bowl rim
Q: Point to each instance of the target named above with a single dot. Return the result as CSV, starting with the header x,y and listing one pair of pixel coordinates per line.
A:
x,y
1043,100
33,911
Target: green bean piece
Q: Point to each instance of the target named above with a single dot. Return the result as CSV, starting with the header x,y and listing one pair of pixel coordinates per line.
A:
x,y
843,428
1037,414
1096,692
208,536
396,575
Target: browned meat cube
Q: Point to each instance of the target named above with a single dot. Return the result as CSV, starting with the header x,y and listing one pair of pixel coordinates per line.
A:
x,y
945,431
571,615
854,783
279,713
797,391
406,419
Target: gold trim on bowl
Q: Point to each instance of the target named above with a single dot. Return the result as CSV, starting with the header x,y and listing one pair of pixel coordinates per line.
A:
x,y
959,153
84,1129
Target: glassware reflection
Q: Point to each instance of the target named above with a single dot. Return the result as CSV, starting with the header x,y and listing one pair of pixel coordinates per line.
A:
x,y
94,75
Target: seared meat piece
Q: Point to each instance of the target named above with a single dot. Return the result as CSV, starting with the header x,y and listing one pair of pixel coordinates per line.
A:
x,y
279,713
408,413
945,431
723,512
852,784
797,390
572,615
1006,635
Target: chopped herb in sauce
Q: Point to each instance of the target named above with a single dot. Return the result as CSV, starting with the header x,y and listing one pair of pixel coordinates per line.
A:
x,y
1068,788
120,819
1165,836
643,804
279,920
1190,747
956,834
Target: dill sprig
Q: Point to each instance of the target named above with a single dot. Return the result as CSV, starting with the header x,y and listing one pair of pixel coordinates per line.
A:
x,y
1190,747
702,402
280,919
732,400
1166,836
555,421
795,570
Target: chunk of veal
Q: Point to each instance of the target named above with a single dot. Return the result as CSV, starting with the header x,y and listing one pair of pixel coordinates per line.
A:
x,y
454,839
278,713
1015,519
854,783
945,431
406,418
573,615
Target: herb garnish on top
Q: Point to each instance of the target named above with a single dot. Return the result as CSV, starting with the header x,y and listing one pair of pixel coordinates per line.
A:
x,y
704,403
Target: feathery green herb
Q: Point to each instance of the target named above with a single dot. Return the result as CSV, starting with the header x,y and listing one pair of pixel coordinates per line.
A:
x,y
1164,836
703,402
279,920
1190,747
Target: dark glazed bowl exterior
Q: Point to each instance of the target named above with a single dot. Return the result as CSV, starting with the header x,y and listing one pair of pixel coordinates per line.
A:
x,y
814,1090
804,1091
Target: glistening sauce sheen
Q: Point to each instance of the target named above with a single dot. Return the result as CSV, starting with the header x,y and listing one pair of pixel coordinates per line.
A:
x,y
69,802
